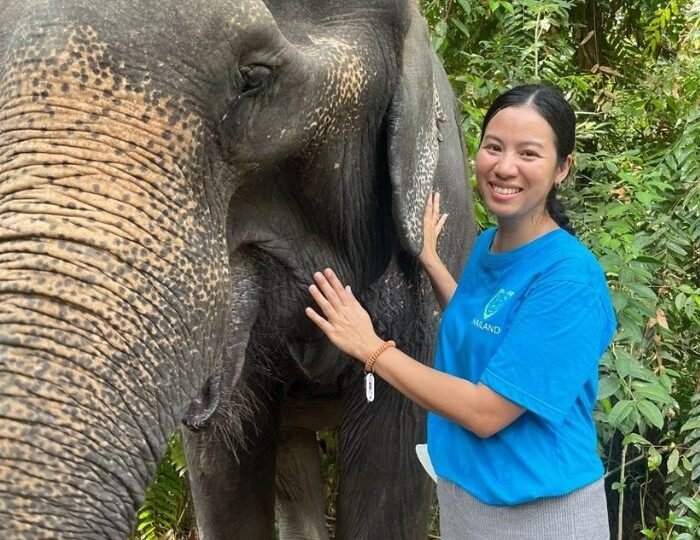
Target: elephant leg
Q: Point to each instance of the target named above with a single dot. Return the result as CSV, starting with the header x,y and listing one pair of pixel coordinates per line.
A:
x,y
299,487
233,491
384,493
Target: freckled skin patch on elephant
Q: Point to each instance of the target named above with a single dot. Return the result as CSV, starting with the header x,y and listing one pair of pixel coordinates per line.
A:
x,y
347,82
96,190
427,142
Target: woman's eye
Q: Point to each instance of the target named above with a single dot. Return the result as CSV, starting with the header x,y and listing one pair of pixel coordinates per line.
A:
x,y
529,153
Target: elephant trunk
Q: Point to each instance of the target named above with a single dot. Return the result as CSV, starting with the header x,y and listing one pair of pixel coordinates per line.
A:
x,y
222,396
113,289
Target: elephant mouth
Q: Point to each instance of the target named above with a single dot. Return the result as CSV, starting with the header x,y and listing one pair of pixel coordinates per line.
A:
x,y
245,298
205,404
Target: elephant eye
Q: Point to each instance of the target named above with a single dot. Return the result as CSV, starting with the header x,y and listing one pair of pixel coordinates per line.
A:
x,y
255,79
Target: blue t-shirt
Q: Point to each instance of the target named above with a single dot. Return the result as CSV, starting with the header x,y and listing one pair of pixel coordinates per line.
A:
x,y
531,324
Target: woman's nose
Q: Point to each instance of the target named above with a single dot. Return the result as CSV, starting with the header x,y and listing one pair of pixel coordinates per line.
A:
x,y
505,166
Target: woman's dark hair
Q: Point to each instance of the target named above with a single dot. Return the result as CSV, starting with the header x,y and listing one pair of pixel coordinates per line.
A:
x,y
549,102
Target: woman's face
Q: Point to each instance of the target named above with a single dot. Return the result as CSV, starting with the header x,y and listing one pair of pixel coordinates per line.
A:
x,y
516,165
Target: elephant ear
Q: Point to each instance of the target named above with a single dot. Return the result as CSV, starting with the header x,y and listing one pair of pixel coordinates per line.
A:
x,y
413,135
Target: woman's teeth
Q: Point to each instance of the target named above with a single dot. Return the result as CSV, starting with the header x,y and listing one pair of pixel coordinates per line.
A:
x,y
505,190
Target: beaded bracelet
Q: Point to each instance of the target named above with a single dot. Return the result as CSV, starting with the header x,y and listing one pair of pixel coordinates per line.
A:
x,y
369,369
369,365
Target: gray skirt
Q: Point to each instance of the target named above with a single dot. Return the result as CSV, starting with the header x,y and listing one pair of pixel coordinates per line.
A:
x,y
581,514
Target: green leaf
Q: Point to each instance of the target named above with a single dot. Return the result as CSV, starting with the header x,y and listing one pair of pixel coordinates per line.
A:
x,y
692,504
685,521
652,391
689,307
607,386
693,423
620,411
631,329
635,438
637,371
619,300
672,461
508,6
460,26
676,249
441,28
651,412
648,259
617,210
642,290
654,459
624,363
465,6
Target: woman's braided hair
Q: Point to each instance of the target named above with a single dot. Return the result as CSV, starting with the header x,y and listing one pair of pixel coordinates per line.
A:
x,y
549,102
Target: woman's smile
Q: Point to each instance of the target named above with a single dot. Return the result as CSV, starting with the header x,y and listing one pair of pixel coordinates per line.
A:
x,y
504,192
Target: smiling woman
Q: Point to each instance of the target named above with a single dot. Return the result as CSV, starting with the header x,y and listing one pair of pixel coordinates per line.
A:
x,y
510,431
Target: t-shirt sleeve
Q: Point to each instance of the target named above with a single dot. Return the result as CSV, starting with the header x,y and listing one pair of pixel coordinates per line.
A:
x,y
552,348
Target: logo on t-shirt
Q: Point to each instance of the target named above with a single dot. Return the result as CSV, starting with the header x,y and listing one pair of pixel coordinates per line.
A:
x,y
497,302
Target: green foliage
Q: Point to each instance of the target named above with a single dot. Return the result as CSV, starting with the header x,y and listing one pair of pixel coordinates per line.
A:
x,y
683,469
328,443
166,513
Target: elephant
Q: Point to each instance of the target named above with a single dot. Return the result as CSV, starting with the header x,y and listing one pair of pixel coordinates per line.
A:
x,y
171,175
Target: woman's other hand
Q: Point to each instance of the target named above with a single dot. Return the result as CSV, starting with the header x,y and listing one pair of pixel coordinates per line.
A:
x,y
442,281
433,223
345,322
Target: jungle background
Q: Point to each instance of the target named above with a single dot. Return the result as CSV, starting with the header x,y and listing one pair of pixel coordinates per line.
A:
x,y
632,71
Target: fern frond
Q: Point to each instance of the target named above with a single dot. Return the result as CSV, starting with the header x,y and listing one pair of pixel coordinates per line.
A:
x,y
166,511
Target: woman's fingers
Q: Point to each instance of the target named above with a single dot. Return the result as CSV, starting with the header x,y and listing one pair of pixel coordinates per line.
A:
x,y
440,223
432,210
328,292
349,292
428,214
327,289
322,301
340,290
322,323
334,281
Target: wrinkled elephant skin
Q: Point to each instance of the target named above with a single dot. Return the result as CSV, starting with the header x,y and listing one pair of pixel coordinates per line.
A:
x,y
171,175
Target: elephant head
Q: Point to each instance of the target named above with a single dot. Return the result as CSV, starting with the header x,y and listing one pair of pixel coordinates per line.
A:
x,y
171,173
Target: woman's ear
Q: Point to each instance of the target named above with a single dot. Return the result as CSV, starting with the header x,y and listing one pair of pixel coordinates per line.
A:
x,y
564,169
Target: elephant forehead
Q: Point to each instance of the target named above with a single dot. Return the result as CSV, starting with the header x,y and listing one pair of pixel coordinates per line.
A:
x,y
347,77
248,13
108,160
74,65
75,104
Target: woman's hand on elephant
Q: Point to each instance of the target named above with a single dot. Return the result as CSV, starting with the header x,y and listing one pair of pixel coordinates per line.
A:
x,y
345,322
433,222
